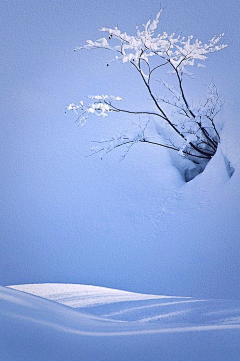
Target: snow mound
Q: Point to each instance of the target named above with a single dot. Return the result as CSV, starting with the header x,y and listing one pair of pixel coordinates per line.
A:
x,y
75,295
118,305
167,328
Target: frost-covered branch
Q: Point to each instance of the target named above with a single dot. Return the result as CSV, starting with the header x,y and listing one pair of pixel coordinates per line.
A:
x,y
102,105
128,139
150,52
180,52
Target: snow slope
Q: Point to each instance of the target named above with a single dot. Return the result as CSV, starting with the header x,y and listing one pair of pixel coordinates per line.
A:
x,y
156,327
75,295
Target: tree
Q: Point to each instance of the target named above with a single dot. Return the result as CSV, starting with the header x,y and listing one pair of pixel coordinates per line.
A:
x,y
192,130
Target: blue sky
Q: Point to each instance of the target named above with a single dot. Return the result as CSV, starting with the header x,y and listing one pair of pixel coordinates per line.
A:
x,y
55,202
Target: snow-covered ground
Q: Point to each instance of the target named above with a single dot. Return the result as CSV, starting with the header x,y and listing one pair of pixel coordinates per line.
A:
x,y
55,322
95,323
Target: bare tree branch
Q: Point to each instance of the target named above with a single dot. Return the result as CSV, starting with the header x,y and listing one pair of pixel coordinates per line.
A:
x,y
195,126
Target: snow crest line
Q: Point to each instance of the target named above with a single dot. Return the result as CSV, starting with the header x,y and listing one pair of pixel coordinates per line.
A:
x,y
128,333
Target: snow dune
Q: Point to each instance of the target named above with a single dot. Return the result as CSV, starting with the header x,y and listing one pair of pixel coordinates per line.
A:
x,y
75,295
127,326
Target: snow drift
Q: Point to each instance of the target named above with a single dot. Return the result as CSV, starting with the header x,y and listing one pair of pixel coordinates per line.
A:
x,y
156,327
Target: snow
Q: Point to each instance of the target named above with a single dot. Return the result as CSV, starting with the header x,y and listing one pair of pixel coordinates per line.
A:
x,y
136,226
142,328
72,322
178,50
82,295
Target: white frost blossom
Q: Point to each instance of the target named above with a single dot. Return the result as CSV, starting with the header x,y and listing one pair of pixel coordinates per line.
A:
x,y
71,106
148,51
178,51
101,107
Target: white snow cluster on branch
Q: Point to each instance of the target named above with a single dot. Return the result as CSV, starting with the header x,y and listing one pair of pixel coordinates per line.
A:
x,y
100,107
176,50
195,127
